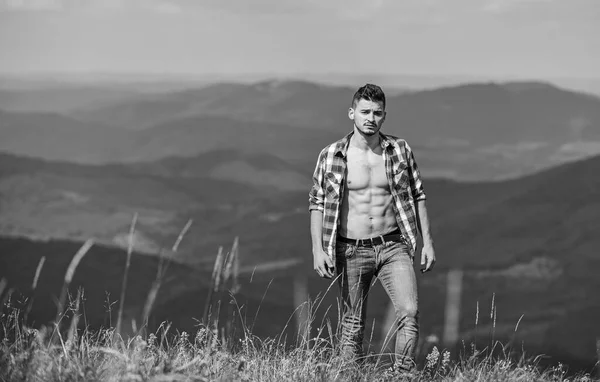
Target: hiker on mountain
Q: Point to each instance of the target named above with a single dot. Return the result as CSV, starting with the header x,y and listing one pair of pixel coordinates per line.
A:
x,y
367,206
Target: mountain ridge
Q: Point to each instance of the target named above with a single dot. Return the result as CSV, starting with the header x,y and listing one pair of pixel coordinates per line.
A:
x,y
472,132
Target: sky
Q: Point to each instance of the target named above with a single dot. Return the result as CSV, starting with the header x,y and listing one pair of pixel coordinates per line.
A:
x,y
496,38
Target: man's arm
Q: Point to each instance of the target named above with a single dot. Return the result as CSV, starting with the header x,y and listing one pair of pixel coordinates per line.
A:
x,y
316,230
427,253
424,223
321,262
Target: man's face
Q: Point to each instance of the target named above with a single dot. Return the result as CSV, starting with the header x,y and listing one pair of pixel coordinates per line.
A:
x,y
368,116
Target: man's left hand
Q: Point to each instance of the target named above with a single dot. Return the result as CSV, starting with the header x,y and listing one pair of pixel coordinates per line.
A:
x,y
427,258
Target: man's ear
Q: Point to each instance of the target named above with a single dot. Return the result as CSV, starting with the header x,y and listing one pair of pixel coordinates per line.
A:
x,y
351,113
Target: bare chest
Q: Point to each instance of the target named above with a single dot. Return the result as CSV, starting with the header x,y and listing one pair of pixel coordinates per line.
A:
x,y
365,170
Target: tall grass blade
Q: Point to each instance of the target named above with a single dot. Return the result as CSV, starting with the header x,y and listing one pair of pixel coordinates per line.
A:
x,y
153,292
125,274
71,336
231,279
181,235
3,283
69,277
221,259
160,274
38,271
235,287
371,336
518,322
36,277
214,284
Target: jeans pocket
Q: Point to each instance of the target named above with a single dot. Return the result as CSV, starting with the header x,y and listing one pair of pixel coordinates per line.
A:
x,y
389,244
403,243
345,250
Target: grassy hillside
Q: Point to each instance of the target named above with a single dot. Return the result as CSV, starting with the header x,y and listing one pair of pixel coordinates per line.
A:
x,y
201,356
529,244
187,348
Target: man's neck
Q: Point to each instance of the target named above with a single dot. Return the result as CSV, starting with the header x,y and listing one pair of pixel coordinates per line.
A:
x,y
365,142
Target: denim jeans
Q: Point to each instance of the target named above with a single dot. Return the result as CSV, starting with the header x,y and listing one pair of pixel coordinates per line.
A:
x,y
392,264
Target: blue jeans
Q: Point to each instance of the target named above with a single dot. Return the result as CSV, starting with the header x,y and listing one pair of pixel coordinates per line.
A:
x,y
392,264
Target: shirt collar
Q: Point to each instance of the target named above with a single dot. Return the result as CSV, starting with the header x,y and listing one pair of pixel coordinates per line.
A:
x,y
342,145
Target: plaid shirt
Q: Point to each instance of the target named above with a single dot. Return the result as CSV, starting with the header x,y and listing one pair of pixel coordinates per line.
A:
x,y
403,178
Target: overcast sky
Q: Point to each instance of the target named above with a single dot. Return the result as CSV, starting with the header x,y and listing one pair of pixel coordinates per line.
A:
x,y
515,38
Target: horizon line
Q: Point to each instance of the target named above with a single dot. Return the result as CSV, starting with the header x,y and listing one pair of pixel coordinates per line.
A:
x,y
283,75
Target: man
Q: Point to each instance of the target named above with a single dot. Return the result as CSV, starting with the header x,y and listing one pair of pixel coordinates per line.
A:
x,y
367,207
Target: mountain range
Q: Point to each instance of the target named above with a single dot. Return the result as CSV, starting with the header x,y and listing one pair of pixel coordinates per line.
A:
x,y
481,131
511,201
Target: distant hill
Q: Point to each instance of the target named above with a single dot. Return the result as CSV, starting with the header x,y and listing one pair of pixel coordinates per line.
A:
x,y
100,273
53,98
493,114
485,131
531,242
486,113
260,169
195,135
59,199
288,103
43,199
57,137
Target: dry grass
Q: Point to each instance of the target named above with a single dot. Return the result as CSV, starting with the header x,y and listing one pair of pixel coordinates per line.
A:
x,y
32,355
69,276
214,354
163,266
126,273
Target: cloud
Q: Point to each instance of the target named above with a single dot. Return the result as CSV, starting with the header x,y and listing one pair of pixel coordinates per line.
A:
x,y
406,12
166,7
254,7
376,11
357,10
373,11
159,6
31,5
501,6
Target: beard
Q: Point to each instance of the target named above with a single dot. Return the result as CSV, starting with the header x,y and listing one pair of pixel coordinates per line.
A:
x,y
369,130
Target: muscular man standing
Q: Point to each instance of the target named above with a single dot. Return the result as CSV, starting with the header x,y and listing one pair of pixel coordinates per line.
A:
x,y
367,207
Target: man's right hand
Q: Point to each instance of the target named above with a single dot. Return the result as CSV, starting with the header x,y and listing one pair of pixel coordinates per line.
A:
x,y
323,264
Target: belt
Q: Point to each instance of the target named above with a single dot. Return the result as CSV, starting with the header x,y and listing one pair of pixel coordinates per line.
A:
x,y
394,236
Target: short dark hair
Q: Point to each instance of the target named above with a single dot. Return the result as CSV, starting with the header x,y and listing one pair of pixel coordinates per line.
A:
x,y
369,92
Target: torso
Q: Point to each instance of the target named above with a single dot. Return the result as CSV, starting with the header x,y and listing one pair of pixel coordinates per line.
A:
x,y
367,203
